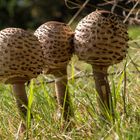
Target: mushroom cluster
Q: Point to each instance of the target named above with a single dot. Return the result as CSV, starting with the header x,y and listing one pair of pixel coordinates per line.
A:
x,y
101,40
56,40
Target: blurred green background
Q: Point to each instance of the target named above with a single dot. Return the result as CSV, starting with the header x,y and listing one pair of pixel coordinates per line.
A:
x,y
29,14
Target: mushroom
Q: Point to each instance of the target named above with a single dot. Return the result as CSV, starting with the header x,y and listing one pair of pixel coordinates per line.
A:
x,y
101,40
20,61
56,39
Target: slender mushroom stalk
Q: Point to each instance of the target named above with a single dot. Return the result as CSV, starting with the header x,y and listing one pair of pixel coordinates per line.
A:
x,y
19,91
102,87
21,60
62,94
56,38
101,40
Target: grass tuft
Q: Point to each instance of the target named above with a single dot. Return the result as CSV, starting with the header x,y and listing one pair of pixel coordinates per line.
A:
x,y
88,124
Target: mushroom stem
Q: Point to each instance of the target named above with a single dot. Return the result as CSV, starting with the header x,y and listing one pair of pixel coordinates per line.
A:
x,y
21,97
63,97
103,88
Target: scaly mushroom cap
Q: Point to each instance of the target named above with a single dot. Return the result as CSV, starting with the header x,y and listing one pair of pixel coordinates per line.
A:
x,y
101,38
20,55
56,38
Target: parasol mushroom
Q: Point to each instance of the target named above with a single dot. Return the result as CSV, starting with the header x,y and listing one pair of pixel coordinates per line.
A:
x,y
20,61
56,39
101,40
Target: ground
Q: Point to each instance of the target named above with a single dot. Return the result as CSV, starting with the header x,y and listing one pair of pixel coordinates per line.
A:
x,y
88,124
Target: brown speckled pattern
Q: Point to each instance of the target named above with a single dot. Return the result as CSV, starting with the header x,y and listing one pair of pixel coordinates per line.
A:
x,y
101,39
56,39
20,54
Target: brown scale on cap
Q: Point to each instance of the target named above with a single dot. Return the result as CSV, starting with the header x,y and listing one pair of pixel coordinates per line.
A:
x,y
56,39
20,61
101,40
20,55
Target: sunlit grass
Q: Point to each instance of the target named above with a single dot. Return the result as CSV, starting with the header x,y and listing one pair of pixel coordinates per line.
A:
x,y
134,32
88,122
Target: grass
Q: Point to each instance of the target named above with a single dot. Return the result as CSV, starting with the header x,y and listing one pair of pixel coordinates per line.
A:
x,y
125,87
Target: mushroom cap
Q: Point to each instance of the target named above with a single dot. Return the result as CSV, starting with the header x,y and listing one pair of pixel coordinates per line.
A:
x,y
101,38
56,39
20,55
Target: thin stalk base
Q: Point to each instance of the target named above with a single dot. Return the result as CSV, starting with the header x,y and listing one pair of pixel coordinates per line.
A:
x,y
21,98
62,94
103,89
